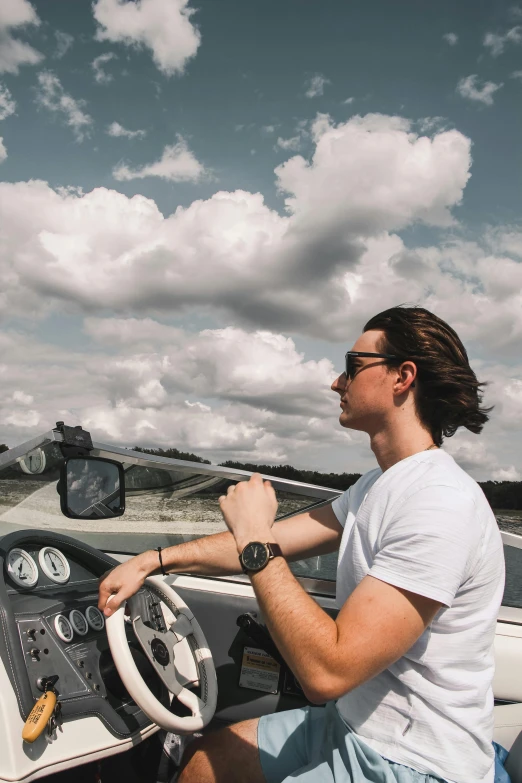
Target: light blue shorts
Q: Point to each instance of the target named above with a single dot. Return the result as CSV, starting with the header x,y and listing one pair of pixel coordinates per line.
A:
x,y
314,745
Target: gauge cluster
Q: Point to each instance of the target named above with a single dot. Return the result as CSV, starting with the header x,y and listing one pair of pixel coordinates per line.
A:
x,y
23,568
77,622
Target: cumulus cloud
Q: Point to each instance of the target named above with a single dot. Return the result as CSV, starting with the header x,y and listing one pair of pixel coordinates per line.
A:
x,y
52,96
451,38
64,41
315,85
13,52
3,151
163,26
470,88
117,130
363,175
97,66
177,164
308,272
292,143
223,393
7,104
497,43
262,369
507,474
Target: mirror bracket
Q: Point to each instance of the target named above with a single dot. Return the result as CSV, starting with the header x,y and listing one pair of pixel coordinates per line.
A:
x,y
77,442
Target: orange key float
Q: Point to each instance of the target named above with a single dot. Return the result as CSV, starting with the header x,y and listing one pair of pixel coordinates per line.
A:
x,y
39,717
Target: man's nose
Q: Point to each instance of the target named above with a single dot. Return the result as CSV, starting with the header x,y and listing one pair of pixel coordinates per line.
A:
x,y
339,385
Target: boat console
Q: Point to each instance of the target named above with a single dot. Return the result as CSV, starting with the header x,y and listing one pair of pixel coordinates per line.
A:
x,y
53,628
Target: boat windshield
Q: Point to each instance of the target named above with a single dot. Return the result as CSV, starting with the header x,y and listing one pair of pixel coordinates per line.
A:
x,y
164,506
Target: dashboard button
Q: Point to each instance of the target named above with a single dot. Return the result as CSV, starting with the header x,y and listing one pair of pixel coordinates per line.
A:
x,y
63,628
95,618
78,622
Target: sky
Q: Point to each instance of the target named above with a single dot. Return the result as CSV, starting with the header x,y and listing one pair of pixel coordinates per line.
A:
x,y
202,203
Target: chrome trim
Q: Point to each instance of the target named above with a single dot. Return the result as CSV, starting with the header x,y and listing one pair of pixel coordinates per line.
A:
x,y
150,460
8,458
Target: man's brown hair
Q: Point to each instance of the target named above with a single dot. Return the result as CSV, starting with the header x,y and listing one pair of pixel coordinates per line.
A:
x,y
448,393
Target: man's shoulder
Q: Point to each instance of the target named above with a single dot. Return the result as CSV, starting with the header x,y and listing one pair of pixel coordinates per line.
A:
x,y
365,482
440,483
425,476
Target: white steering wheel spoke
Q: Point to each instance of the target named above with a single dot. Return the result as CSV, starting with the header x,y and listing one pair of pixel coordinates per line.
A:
x,y
191,700
181,627
185,634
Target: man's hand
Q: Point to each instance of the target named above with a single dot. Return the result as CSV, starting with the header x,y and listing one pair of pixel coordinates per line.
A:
x,y
124,581
249,510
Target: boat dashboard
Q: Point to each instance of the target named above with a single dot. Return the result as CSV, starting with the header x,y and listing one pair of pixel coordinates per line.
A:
x,y
53,628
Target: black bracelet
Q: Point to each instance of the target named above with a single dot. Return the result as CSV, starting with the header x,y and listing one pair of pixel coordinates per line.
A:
x,y
161,562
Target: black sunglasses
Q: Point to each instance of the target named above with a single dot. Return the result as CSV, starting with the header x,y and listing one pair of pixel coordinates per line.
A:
x,y
349,357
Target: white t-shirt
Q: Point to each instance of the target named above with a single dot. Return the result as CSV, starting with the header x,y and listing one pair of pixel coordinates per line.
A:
x,y
424,525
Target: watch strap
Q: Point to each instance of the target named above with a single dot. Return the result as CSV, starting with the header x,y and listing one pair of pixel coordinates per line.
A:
x,y
274,550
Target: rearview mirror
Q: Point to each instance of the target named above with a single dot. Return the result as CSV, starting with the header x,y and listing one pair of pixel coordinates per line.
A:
x,y
92,488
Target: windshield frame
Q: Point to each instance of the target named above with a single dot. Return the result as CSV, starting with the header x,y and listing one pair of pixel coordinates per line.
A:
x,y
131,457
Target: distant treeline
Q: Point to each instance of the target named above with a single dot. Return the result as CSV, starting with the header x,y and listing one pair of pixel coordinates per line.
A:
x,y
173,454
503,494
334,480
500,494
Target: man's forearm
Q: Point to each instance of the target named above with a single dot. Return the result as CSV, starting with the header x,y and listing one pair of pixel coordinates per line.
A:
x,y
304,633
300,536
214,555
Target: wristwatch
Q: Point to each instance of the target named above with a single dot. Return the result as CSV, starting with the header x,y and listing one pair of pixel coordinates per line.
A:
x,y
255,556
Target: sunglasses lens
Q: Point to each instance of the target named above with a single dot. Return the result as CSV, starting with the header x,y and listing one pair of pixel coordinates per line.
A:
x,y
349,368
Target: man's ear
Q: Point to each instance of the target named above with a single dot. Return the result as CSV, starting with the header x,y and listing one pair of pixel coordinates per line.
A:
x,y
411,365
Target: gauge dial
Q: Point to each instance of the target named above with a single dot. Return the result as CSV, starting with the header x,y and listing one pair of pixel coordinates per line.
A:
x,y
95,618
34,462
54,564
78,622
63,628
21,568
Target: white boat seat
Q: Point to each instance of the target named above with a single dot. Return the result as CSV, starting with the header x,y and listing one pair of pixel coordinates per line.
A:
x,y
508,733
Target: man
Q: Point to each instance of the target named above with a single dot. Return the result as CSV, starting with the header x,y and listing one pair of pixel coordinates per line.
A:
x,y
405,670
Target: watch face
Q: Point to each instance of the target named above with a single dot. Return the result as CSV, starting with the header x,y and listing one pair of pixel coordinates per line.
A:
x,y
255,556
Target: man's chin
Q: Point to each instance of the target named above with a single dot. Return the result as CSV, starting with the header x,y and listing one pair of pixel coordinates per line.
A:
x,y
344,419
347,421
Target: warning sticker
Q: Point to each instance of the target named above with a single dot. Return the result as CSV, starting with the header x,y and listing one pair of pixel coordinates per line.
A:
x,y
259,671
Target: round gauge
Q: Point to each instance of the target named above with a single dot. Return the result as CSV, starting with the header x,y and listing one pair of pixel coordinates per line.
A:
x,y
63,628
21,568
54,564
78,622
95,618
34,462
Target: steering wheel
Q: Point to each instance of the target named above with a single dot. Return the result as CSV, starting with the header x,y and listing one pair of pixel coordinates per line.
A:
x,y
168,652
